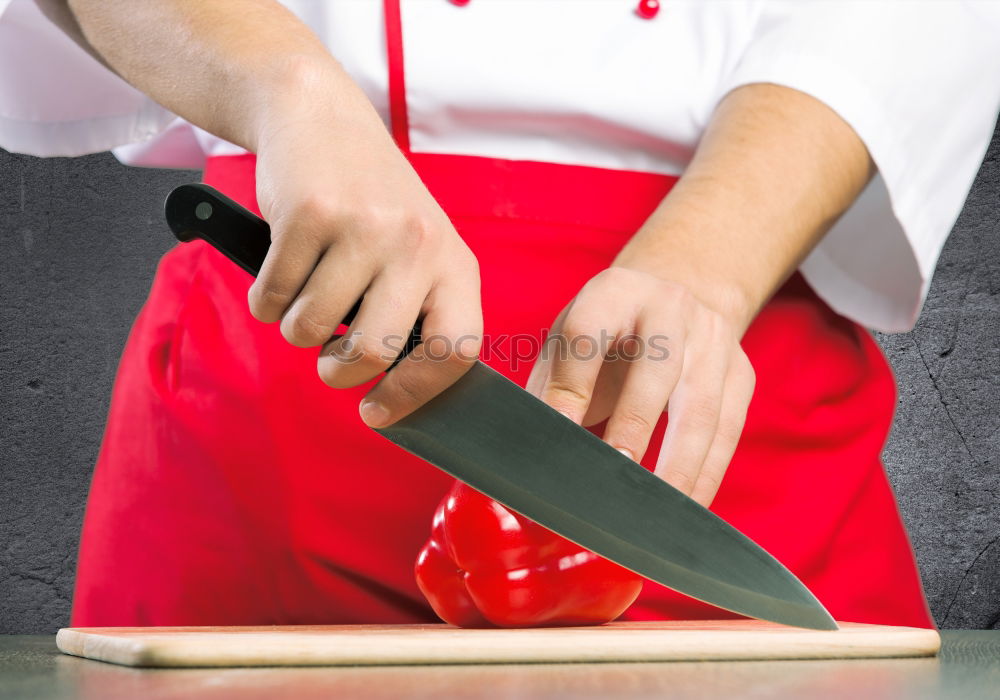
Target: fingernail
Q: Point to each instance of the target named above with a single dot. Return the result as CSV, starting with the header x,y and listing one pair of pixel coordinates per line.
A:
x,y
374,414
627,453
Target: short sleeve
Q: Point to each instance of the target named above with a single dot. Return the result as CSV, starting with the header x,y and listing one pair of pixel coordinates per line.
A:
x,y
919,82
57,100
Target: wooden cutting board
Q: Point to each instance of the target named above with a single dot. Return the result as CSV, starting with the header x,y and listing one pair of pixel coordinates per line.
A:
x,y
349,645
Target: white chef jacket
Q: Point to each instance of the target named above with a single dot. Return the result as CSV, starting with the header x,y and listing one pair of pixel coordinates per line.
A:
x,y
591,82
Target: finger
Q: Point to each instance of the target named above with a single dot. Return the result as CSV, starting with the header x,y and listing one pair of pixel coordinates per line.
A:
x,y
609,383
649,381
453,333
693,409
540,371
732,417
377,334
289,263
335,285
576,358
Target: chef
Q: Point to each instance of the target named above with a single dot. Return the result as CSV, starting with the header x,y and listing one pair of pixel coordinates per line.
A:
x,y
749,185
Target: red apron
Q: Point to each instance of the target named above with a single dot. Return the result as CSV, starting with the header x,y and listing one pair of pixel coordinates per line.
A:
x,y
233,487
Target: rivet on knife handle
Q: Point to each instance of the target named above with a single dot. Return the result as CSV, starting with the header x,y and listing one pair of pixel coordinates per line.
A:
x,y
200,211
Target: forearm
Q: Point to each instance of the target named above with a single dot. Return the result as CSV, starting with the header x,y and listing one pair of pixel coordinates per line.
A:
x,y
238,70
773,172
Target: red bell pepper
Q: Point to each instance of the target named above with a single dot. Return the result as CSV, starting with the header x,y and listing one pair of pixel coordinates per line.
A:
x,y
485,565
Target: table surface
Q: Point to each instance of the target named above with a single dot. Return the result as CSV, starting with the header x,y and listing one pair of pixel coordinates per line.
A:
x,y
968,667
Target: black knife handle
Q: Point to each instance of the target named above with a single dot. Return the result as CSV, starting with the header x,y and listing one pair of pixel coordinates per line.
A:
x,y
199,211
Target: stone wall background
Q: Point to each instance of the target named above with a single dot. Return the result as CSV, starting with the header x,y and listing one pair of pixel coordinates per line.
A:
x,y
79,242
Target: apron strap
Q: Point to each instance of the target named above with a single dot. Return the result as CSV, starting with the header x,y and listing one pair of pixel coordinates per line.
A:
x,y
397,85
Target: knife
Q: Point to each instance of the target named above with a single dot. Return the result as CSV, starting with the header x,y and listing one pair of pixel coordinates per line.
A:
x,y
495,436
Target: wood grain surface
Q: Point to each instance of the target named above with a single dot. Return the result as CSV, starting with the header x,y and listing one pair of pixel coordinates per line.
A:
x,y
353,645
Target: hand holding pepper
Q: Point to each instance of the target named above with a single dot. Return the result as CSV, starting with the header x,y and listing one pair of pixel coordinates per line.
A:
x,y
485,565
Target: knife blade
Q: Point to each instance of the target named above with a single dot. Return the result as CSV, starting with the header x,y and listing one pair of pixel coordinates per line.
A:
x,y
495,436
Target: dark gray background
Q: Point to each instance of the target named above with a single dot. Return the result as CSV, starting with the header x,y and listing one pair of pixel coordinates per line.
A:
x,y
79,242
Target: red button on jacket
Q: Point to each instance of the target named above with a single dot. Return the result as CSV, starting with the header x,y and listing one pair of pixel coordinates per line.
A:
x,y
647,9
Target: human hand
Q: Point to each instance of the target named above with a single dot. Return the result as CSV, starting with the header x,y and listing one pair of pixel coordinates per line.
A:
x,y
350,218
772,172
631,345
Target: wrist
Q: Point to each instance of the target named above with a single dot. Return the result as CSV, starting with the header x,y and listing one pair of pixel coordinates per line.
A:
x,y
728,297
306,90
